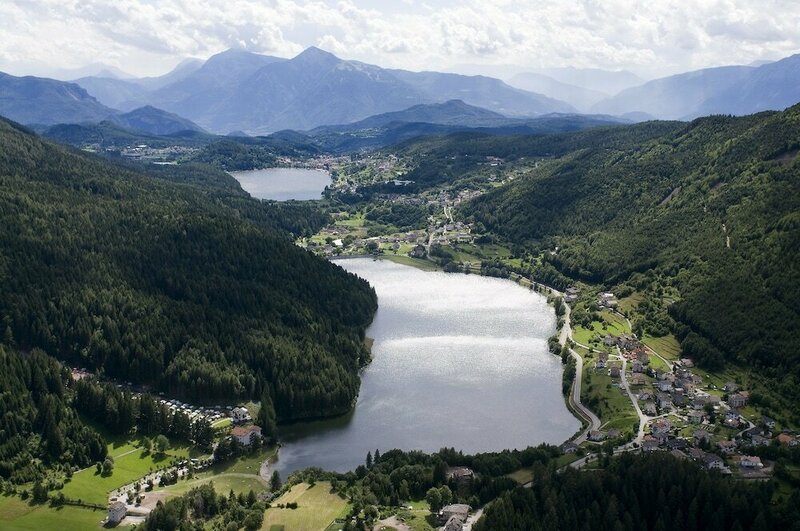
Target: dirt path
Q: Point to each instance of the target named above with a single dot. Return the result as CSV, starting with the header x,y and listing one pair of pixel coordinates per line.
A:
x,y
392,521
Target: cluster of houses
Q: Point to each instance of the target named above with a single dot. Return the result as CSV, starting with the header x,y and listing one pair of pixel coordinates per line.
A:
x,y
145,153
722,437
451,233
729,450
136,508
726,455
211,414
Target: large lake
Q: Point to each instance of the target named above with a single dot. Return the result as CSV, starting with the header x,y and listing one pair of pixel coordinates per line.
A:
x,y
283,184
458,360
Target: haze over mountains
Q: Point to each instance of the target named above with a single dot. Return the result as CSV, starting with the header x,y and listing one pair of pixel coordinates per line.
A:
x,y
734,90
238,90
34,100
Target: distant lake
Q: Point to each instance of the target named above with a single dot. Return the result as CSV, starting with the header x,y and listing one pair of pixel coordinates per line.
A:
x,y
283,184
458,360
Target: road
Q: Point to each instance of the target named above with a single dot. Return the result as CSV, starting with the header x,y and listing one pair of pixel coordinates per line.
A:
x,y
448,212
642,417
574,398
471,519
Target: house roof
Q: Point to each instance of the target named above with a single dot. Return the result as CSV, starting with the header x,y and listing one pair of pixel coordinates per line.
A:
x,y
242,431
456,508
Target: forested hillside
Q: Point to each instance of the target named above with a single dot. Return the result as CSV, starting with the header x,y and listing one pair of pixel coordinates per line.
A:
x,y
711,208
638,492
192,290
37,425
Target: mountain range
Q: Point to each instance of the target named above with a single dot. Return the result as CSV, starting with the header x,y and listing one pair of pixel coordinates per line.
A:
x,y
35,100
241,91
737,90
579,97
154,121
436,119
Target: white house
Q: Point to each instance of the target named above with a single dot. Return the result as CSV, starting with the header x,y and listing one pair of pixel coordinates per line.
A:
x,y
244,433
240,414
116,512
750,461
713,462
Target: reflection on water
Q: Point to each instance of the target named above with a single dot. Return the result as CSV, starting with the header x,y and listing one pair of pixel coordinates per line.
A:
x,y
458,360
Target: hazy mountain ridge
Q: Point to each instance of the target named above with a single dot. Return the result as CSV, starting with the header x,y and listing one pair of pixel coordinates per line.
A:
x,y
36,100
259,94
437,119
737,90
155,121
239,90
452,112
579,97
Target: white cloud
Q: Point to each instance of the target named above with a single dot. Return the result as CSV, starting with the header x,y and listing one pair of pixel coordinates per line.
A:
x,y
147,37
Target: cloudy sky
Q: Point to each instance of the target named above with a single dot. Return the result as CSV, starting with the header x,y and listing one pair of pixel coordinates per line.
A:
x,y
649,37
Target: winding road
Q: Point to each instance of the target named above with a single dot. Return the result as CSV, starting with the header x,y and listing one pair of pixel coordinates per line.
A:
x,y
574,398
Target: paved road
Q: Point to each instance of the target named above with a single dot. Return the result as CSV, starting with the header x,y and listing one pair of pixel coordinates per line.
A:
x,y
471,519
575,395
642,417
575,401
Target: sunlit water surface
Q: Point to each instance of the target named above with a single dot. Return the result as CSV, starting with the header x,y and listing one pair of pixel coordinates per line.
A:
x,y
458,360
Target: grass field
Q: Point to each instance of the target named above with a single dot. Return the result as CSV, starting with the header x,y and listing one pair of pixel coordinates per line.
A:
x,y
418,519
223,484
610,403
611,324
16,514
657,363
667,346
521,476
248,464
623,424
627,304
130,463
413,262
241,475
355,221
316,509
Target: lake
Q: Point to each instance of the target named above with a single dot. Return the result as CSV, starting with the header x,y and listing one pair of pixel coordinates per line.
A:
x,y
458,360
283,184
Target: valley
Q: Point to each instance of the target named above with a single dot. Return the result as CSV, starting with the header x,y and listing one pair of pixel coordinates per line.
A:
x,y
301,292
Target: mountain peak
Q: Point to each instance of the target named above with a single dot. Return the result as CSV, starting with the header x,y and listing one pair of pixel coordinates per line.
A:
x,y
315,54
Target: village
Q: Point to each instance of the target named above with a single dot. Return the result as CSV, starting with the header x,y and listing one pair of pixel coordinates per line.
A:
x,y
679,410
352,233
